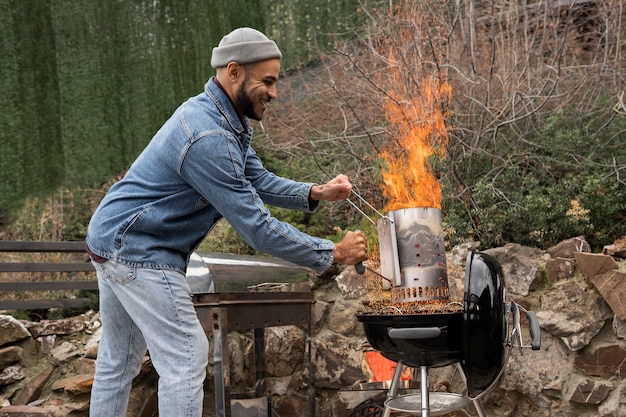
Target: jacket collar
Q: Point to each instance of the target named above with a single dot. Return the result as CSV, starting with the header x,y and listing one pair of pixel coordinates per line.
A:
x,y
226,106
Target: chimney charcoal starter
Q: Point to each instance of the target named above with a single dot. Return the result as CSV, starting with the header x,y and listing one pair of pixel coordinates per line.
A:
x,y
474,334
413,254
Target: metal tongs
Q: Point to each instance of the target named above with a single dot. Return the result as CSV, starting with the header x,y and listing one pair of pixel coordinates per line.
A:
x,y
368,205
359,267
533,325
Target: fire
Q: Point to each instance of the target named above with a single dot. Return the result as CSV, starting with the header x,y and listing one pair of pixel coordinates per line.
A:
x,y
382,369
422,133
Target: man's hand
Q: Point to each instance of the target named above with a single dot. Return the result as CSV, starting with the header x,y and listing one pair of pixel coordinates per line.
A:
x,y
352,249
336,189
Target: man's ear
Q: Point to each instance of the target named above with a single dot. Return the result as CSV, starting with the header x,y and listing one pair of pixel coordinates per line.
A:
x,y
234,71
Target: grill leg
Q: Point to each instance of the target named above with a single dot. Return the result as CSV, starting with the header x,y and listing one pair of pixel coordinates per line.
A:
x,y
220,394
260,381
425,393
476,401
221,356
479,407
393,388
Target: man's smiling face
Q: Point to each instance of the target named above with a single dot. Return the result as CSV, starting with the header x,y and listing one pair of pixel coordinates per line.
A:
x,y
258,88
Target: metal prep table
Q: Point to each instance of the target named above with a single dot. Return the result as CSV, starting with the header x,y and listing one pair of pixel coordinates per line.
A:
x,y
222,312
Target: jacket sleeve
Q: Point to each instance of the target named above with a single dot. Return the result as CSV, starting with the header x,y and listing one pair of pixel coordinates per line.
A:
x,y
278,191
215,166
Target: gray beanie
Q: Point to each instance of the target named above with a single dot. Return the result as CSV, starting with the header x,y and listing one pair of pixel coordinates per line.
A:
x,y
244,45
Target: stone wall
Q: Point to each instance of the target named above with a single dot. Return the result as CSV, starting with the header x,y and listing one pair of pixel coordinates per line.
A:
x,y
579,298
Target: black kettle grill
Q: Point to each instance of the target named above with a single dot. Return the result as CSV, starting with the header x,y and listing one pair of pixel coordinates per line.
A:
x,y
477,339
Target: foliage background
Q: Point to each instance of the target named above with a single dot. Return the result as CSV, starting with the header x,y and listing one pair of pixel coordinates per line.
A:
x,y
537,121
85,84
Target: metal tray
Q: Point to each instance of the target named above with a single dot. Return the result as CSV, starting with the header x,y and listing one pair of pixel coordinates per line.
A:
x,y
209,272
382,385
440,403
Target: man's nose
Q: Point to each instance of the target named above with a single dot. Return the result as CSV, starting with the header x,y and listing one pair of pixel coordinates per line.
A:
x,y
272,92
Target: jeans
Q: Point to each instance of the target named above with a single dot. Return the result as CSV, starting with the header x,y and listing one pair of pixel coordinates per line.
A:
x,y
148,309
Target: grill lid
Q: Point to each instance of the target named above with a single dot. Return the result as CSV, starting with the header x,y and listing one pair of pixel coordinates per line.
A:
x,y
485,325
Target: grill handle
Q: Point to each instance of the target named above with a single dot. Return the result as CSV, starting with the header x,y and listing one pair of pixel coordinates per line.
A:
x,y
535,332
414,333
533,326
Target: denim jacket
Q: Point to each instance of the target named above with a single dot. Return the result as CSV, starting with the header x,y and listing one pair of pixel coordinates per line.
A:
x,y
198,168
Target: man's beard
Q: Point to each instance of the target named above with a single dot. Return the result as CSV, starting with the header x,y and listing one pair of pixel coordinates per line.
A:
x,y
245,103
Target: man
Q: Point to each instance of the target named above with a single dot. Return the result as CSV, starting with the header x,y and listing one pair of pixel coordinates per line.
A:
x,y
198,168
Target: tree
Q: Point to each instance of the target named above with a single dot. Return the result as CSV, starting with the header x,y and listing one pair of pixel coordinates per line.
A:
x,y
536,116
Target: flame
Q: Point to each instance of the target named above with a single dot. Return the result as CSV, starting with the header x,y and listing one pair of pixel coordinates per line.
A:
x,y
419,122
382,369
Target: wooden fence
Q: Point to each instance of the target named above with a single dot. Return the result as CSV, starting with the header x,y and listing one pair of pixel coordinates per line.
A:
x,y
83,266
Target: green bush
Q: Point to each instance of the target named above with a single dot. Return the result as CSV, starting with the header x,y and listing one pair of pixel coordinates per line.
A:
x,y
562,183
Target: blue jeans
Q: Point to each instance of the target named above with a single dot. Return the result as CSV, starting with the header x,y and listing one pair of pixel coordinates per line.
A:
x,y
148,309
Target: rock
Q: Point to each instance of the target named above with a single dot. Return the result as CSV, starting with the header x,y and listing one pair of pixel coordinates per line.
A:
x,y
615,404
456,281
617,249
342,318
75,385
11,374
91,351
351,284
64,352
592,264
612,286
57,327
33,388
319,312
567,248
619,328
46,343
82,365
11,330
24,411
91,347
73,407
458,254
559,269
577,371
572,313
9,355
534,374
284,349
622,399
590,392
65,407
295,404
605,362
337,360
279,386
520,266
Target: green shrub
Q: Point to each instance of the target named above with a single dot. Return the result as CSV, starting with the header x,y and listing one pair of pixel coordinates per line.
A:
x,y
563,182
